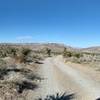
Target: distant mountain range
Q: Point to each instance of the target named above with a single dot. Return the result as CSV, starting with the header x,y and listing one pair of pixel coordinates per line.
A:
x,y
54,47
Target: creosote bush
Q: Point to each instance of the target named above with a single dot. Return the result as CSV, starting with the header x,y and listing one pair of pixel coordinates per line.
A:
x,y
6,51
67,53
25,85
23,54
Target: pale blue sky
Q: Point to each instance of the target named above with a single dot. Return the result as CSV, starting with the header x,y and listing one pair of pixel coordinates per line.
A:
x,y
72,22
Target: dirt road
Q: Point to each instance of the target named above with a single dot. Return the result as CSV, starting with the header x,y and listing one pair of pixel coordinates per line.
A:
x,y
60,78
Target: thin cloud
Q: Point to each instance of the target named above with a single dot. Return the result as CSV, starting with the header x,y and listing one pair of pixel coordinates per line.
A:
x,y
24,39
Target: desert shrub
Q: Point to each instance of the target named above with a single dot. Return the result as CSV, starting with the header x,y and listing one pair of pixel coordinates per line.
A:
x,y
2,68
77,55
2,62
6,51
37,57
67,53
23,55
25,85
14,51
21,85
31,76
27,73
58,97
26,51
3,72
3,53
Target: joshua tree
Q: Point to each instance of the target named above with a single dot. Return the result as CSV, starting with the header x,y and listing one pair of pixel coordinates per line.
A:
x,y
48,51
64,52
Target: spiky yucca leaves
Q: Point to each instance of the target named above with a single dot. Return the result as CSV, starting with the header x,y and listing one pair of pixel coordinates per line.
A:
x,y
58,97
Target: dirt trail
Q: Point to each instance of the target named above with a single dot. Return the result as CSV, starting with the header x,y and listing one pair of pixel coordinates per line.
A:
x,y
60,78
89,88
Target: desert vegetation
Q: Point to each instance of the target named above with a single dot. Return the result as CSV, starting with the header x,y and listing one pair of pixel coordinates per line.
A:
x,y
80,57
19,68
23,55
16,80
17,77
6,51
48,51
58,97
19,72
